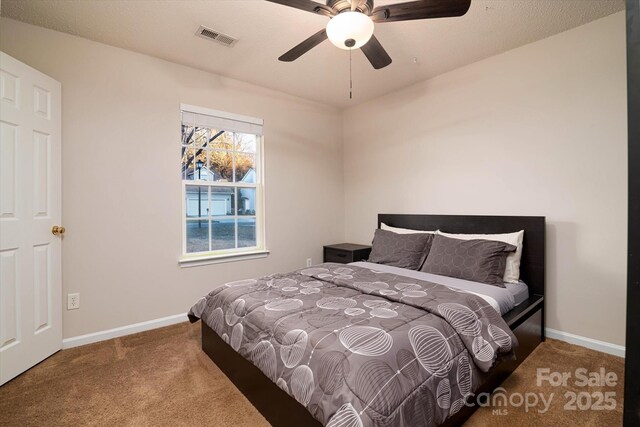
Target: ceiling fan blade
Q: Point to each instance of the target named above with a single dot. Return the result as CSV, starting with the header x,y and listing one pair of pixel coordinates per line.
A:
x,y
305,46
308,5
376,54
424,9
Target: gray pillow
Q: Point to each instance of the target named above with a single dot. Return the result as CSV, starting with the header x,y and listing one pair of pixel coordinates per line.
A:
x,y
478,260
400,250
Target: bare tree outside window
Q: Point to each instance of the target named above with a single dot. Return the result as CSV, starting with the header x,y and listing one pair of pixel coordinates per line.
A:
x,y
220,171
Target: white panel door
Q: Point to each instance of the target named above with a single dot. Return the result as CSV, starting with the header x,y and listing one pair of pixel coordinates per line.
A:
x,y
30,192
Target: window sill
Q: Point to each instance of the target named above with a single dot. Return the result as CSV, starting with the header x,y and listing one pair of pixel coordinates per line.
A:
x,y
218,259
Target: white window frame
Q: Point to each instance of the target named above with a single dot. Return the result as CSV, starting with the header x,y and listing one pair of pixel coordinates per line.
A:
x,y
235,254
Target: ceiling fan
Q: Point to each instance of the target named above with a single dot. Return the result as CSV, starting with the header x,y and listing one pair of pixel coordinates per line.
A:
x,y
352,21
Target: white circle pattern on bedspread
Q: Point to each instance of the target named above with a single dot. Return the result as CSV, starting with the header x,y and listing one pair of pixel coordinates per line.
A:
x,y
431,349
366,340
346,416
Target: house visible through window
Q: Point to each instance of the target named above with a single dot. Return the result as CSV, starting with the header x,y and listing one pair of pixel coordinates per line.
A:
x,y
221,171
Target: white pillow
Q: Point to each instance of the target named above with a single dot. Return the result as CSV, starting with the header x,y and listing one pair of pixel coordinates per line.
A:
x,y
397,230
512,270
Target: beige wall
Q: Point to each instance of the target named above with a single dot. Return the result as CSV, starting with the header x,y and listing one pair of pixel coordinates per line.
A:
x,y
121,182
539,130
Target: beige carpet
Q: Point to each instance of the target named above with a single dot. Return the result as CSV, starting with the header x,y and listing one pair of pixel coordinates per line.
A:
x,y
162,377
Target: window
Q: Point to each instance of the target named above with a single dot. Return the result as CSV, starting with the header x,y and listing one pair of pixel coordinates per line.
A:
x,y
222,188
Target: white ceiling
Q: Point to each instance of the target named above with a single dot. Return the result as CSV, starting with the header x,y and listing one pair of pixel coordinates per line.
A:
x,y
166,28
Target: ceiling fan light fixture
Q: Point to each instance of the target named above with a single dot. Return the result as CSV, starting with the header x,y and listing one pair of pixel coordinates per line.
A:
x,y
350,30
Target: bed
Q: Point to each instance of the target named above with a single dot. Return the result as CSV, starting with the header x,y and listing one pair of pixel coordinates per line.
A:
x,y
360,344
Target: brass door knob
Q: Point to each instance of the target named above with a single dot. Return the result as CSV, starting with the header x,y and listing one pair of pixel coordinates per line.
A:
x,y
58,230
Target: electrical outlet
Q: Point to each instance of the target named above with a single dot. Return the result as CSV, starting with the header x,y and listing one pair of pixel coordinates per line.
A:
x,y
73,301
309,262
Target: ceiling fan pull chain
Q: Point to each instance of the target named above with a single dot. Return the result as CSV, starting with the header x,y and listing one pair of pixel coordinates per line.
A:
x,y
350,77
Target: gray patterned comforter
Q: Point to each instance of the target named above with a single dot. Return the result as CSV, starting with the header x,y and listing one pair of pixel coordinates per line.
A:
x,y
359,347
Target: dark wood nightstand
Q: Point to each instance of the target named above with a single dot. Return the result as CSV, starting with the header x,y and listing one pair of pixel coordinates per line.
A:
x,y
346,252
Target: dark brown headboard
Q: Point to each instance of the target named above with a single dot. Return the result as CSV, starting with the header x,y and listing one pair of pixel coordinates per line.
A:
x,y
532,262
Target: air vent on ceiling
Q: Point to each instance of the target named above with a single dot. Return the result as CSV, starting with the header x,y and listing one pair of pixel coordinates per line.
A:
x,y
216,36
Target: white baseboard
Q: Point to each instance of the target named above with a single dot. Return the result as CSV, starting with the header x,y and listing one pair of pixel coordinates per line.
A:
x,y
122,331
605,347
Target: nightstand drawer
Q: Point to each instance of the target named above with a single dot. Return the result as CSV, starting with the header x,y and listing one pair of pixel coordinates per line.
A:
x,y
346,252
335,255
